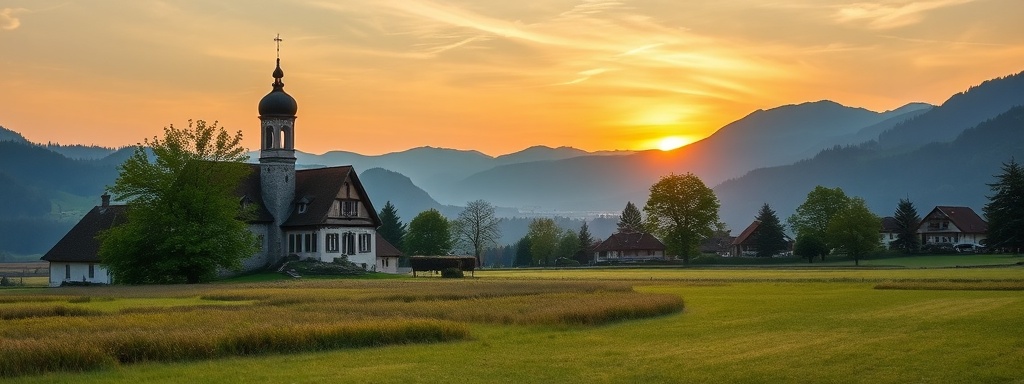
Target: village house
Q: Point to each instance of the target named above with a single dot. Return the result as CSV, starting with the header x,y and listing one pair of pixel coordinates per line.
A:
x,y
319,214
889,232
629,247
744,244
952,225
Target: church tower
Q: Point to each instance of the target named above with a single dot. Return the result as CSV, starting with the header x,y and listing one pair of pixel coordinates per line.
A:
x,y
277,156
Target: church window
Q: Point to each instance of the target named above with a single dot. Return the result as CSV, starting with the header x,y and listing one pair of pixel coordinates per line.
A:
x,y
308,242
67,271
350,208
292,242
364,242
92,270
315,242
269,138
333,241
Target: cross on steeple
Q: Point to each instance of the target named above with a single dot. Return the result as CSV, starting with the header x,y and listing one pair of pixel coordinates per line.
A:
x,y
278,40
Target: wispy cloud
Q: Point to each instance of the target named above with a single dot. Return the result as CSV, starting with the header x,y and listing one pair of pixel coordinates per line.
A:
x,y
888,16
8,21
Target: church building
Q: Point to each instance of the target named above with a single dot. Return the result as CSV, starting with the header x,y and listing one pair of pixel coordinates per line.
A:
x,y
321,213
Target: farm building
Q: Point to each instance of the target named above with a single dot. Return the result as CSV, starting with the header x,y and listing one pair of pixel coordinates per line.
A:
x,y
629,247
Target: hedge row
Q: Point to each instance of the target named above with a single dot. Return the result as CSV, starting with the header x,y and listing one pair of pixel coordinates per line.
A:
x,y
440,263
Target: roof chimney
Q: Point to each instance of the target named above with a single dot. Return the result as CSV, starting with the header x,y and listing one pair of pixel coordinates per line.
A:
x,y
105,200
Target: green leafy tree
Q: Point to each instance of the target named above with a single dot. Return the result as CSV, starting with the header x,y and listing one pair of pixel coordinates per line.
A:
x,y
907,221
524,256
544,236
812,217
809,247
854,230
584,240
682,211
1005,209
393,229
631,220
568,244
769,237
429,234
184,222
477,227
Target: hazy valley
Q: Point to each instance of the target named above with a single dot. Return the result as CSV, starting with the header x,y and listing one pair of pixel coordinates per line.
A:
x,y
932,154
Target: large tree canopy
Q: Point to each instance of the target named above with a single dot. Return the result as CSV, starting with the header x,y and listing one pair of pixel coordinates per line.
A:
x,y
477,227
854,230
1005,209
682,211
429,235
184,219
544,235
812,217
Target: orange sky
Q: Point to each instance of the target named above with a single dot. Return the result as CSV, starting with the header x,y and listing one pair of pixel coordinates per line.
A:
x,y
377,76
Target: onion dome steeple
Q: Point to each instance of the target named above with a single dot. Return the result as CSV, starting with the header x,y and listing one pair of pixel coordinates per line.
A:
x,y
277,102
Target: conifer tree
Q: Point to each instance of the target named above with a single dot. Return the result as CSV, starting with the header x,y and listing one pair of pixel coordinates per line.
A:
x,y
392,228
907,221
769,237
631,220
524,255
1005,209
585,241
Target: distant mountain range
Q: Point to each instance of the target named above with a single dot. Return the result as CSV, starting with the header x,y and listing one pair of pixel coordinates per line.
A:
x,y
934,155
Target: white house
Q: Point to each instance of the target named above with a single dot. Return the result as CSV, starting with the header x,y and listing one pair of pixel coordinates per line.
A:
x,y
954,225
319,213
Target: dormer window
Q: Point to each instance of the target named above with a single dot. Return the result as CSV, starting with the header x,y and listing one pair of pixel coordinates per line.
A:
x,y
302,205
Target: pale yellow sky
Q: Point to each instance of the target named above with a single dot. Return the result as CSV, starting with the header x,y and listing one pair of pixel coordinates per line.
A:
x,y
377,76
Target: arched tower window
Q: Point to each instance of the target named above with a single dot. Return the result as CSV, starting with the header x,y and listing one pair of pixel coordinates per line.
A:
x,y
289,137
268,141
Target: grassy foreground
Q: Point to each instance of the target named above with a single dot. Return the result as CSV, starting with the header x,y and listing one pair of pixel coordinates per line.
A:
x,y
950,325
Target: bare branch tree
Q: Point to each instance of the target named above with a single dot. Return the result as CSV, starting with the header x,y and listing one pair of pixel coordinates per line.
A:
x,y
478,227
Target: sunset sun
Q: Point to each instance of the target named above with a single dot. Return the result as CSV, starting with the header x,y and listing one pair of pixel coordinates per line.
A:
x,y
672,142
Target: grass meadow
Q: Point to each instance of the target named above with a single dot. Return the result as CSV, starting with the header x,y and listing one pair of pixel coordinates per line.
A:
x,y
592,326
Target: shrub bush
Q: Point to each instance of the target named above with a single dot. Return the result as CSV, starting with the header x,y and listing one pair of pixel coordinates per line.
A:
x,y
452,273
335,268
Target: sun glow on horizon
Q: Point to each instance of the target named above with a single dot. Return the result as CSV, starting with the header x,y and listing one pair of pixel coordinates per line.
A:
x,y
672,142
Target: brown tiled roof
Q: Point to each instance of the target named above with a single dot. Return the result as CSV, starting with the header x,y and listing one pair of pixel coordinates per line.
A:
x,y
745,235
385,249
890,225
319,187
633,241
963,218
80,243
251,189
